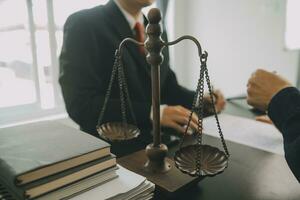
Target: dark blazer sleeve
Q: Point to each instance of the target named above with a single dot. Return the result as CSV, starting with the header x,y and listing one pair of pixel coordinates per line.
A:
x,y
84,77
176,94
172,93
284,110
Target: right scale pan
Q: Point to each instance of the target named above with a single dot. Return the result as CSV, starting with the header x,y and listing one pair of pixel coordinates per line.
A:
x,y
211,160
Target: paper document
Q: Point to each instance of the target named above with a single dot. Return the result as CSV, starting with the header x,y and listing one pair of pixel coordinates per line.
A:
x,y
128,185
246,131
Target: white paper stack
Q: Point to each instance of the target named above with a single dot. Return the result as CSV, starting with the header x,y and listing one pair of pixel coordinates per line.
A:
x,y
246,131
128,186
81,186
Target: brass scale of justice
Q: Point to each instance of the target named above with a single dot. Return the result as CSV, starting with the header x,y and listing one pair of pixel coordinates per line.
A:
x,y
196,160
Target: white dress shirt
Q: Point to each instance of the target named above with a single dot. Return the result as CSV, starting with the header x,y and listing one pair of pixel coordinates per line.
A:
x,y
130,19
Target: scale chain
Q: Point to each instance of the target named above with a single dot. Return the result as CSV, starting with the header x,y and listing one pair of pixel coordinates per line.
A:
x,y
214,109
199,111
123,108
108,93
127,93
193,109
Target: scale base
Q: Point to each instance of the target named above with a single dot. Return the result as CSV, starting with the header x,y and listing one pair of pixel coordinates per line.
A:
x,y
169,183
156,159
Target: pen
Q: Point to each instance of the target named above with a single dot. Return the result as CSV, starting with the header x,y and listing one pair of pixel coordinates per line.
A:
x,y
237,97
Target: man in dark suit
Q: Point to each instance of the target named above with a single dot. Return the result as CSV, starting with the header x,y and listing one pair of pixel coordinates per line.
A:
x,y
269,92
90,39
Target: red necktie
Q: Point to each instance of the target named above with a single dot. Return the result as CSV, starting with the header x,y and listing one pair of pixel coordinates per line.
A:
x,y
140,35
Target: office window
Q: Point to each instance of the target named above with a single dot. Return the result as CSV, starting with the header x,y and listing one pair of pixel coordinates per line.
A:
x,y
30,42
31,35
292,36
17,80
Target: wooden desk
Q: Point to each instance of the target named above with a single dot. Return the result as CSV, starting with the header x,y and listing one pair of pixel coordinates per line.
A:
x,y
252,174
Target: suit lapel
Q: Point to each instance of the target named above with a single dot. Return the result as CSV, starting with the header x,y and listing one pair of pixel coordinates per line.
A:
x,y
121,26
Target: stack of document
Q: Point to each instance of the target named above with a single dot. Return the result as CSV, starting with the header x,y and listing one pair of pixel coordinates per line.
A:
x,y
48,160
128,186
246,131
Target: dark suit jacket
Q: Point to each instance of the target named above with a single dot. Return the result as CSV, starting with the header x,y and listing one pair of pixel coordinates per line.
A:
x,y
90,39
284,110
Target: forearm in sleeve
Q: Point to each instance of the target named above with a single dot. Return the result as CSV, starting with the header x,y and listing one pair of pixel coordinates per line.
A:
x,y
284,110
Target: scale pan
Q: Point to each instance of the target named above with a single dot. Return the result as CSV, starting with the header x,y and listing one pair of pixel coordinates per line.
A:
x,y
212,160
118,131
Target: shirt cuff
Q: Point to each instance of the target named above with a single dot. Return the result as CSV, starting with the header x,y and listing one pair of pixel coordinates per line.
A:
x,y
162,107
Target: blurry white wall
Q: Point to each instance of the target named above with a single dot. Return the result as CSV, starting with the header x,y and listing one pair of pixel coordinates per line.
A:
x,y
239,35
292,36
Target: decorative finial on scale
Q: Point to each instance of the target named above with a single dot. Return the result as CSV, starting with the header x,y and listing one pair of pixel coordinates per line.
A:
x,y
154,16
154,44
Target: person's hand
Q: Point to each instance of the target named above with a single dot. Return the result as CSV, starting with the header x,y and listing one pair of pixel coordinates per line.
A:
x,y
262,86
264,118
219,101
177,117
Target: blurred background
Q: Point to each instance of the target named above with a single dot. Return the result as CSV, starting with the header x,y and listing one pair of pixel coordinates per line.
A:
x,y
239,36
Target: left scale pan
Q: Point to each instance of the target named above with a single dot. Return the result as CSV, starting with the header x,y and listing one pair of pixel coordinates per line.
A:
x,y
118,131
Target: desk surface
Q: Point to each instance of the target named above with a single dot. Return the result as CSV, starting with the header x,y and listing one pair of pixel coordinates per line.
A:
x,y
240,108
252,174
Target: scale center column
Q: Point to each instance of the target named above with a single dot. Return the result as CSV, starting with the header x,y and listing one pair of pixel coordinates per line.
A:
x,y
156,151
